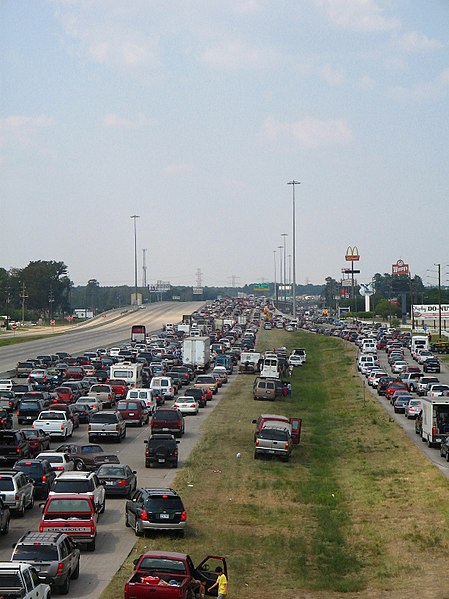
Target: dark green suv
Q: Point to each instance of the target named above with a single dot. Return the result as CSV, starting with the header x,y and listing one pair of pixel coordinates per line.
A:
x,y
155,509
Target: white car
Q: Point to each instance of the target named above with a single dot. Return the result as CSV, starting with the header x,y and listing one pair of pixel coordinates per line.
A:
x,y
60,462
81,483
94,402
114,351
55,423
295,360
187,405
6,384
399,366
221,370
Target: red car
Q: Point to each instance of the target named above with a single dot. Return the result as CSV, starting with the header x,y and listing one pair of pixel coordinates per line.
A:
x,y
38,439
119,387
395,386
75,373
64,395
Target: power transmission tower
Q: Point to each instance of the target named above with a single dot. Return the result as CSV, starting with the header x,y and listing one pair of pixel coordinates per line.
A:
x,y
199,277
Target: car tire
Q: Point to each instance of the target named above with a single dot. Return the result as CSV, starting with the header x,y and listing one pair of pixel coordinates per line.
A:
x,y
31,504
91,546
137,529
64,588
127,524
79,466
76,571
103,507
175,464
21,510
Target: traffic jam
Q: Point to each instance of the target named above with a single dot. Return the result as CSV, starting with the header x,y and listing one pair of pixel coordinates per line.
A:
x,y
63,418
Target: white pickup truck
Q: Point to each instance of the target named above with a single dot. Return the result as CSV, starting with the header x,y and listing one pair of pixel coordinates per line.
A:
x,y
20,580
55,423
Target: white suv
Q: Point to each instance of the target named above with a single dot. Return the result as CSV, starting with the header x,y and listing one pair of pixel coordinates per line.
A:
x,y
82,483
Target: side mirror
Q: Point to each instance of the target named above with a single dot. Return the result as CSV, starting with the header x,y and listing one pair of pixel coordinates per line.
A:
x,y
178,441
146,441
134,471
254,421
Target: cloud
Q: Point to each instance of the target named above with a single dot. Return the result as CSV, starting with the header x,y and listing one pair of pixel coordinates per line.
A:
x,y
423,92
357,15
21,128
367,83
114,121
181,168
332,75
234,55
414,42
310,132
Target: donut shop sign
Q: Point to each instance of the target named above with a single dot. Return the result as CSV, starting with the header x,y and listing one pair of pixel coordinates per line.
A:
x,y
400,268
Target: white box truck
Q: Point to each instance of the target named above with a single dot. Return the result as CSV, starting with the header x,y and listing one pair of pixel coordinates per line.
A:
x,y
435,419
196,352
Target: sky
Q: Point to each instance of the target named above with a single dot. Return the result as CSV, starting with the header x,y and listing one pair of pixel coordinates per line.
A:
x,y
195,114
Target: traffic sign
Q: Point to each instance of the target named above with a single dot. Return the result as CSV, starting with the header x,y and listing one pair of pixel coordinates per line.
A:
x,y
14,327
52,322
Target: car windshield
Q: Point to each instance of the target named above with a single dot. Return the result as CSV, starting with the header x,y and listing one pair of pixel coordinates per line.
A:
x,y
271,433
31,470
91,449
110,471
37,552
163,565
68,506
7,438
104,418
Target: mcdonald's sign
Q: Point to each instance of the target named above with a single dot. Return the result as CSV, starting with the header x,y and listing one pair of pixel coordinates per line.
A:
x,y
352,254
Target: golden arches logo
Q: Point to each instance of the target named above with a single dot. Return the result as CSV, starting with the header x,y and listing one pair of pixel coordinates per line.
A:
x,y
352,254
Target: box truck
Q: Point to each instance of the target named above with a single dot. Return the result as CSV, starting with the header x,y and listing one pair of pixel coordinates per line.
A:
x,y
435,419
196,352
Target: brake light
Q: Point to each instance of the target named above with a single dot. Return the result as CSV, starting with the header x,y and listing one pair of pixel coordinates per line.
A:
x,y
59,468
285,445
89,428
44,478
434,430
62,427
147,452
17,412
18,450
144,515
184,516
122,483
60,567
257,442
178,424
117,427
41,528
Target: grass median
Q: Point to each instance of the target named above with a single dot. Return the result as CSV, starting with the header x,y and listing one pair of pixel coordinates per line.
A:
x,y
358,511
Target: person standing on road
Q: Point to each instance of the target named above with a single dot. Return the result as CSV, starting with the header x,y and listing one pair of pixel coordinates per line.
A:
x,y
221,582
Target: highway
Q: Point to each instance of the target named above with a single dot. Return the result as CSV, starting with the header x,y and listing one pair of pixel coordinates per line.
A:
x,y
113,328
114,541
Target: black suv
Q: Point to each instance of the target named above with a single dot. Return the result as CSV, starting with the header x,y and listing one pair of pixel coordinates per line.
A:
x,y
198,394
161,449
155,509
5,419
54,554
40,472
431,365
13,446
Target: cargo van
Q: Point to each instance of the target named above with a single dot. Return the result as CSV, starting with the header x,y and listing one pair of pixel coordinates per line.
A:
x,y
270,367
264,389
364,361
163,386
144,394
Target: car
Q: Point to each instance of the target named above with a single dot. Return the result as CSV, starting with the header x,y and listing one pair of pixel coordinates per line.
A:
x,y
133,412
432,365
155,509
81,483
63,395
38,440
77,388
207,380
39,472
17,491
94,403
104,393
119,386
9,400
401,403
167,420
7,384
295,360
413,408
75,515
199,394
118,479
186,404
222,372
55,423
75,373
84,412
13,446
106,425
54,555
161,449
60,462
87,456
398,366
5,517
70,413
5,419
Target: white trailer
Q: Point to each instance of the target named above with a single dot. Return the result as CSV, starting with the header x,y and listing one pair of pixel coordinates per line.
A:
x,y
196,352
435,419
129,372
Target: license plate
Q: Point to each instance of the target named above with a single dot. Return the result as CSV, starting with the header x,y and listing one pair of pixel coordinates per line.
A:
x,y
161,460
165,429
109,482
75,529
131,414
271,451
164,516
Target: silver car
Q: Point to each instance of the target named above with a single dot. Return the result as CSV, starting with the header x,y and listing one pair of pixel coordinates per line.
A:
x,y
16,490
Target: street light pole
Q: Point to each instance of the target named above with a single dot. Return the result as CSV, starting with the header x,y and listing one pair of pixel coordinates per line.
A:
x,y
275,280
280,271
439,301
293,183
284,235
135,217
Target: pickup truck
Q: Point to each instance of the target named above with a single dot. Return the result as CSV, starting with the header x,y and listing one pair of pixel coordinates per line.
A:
x,y
55,423
20,580
166,575
274,440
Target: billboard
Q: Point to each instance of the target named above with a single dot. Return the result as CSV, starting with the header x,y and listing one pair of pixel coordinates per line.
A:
x,y
430,311
160,287
352,254
400,268
197,291
262,288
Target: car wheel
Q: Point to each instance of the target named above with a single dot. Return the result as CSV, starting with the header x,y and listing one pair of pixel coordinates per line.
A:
x,y
65,586
137,529
76,571
119,439
31,504
447,456
91,546
79,466
441,452
175,464
103,507
256,456
127,524
21,510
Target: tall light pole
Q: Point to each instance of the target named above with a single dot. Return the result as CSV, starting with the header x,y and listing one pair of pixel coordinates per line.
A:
x,y
284,235
135,217
293,183
275,280
439,301
280,271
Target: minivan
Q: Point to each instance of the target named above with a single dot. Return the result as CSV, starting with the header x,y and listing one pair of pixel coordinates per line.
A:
x,y
264,389
162,385
146,395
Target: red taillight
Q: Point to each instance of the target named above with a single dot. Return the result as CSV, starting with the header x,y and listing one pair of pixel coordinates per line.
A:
x,y
257,442
41,528
179,424
59,468
18,450
143,515
183,516
122,483
285,445
10,404
89,428
434,430
62,427
117,427
17,412
147,452
44,478
2,421
60,568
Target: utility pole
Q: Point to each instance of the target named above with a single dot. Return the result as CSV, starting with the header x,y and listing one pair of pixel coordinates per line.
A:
x,y
293,183
23,297
285,235
275,280
280,272
439,301
135,217
144,268
51,300
8,301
